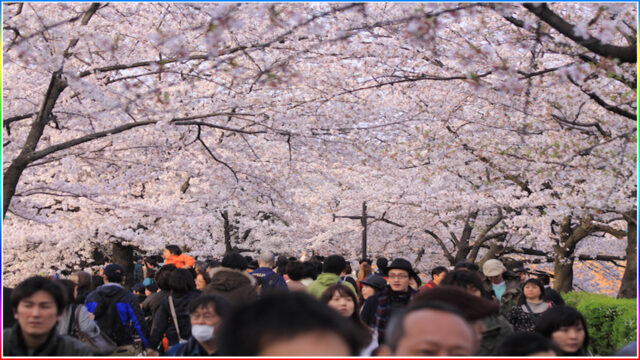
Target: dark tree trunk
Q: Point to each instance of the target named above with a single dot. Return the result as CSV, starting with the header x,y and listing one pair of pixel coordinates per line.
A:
x,y
123,255
228,229
628,288
563,270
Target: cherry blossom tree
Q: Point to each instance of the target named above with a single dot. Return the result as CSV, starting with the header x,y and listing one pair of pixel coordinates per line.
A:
x,y
485,130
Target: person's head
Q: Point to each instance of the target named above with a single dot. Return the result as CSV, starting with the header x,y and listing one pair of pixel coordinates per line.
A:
x,y
347,269
310,270
150,288
364,271
518,268
37,304
68,289
532,290
266,260
234,261
365,261
544,279
523,343
163,275
566,327
96,281
399,272
466,265
342,299
295,270
202,279
475,308
381,263
429,329
82,280
288,324
438,273
114,273
200,267
465,279
181,281
207,313
334,264
493,270
372,285
171,250
150,262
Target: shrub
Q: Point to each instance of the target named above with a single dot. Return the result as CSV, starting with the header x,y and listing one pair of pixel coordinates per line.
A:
x,y
612,322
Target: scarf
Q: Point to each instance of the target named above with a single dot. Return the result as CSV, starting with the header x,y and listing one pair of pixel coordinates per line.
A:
x,y
383,311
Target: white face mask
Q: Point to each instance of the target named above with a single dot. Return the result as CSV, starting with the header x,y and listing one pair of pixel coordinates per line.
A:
x,y
202,333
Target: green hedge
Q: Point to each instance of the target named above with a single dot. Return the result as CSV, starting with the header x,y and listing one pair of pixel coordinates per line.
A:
x,y
612,323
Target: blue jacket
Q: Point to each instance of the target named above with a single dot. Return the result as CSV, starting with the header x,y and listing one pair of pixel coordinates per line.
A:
x,y
265,274
115,308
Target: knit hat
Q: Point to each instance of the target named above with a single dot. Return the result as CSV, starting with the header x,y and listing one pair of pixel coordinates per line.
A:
x,y
114,273
401,264
375,281
493,267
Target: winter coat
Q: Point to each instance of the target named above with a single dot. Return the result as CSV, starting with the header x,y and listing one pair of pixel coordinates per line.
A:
x,y
163,321
511,294
496,328
236,286
522,319
190,348
83,319
324,280
180,261
269,276
117,311
56,345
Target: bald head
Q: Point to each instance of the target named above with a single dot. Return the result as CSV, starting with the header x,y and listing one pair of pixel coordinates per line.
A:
x,y
266,259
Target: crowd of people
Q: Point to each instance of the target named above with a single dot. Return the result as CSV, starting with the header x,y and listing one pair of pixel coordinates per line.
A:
x,y
241,306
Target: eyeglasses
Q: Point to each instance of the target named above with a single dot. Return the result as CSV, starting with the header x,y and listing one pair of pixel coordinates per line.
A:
x,y
399,276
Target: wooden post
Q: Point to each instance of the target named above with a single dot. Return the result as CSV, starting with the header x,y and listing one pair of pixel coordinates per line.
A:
x,y
363,220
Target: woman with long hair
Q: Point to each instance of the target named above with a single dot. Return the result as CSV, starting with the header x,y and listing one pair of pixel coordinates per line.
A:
x,y
566,327
342,299
530,306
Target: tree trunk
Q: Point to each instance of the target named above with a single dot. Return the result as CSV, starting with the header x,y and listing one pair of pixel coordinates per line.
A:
x,y
563,270
11,176
227,232
123,255
628,288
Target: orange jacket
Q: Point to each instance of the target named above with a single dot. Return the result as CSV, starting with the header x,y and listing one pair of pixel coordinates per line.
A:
x,y
181,260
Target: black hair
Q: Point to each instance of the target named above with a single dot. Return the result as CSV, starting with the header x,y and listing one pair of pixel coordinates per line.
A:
x,y
368,261
151,261
334,264
538,283
559,316
200,267
295,270
438,270
221,305
138,287
278,316
381,263
235,261
462,265
163,275
213,264
37,283
153,287
343,290
181,281
96,281
318,266
174,249
544,279
309,270
524,343
68,287
464,279
395,329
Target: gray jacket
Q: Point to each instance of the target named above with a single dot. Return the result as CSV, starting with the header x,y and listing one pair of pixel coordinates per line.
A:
x,y
82,316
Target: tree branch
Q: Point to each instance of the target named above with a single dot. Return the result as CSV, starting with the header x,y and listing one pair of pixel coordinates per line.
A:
x,y
626,54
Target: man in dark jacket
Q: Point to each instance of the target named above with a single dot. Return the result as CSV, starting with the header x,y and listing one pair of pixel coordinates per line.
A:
x,y
378,309
207,313
270,279
504,284
117,311
37,305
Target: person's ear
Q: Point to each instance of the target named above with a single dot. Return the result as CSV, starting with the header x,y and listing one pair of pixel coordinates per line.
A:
x,y
384,350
